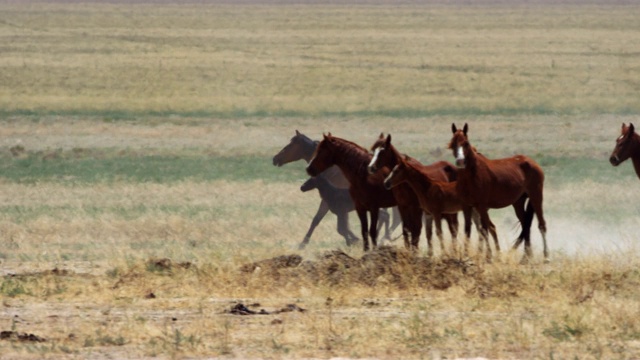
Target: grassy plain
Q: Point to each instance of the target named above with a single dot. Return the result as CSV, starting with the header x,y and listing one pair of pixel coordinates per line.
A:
x,y
133,133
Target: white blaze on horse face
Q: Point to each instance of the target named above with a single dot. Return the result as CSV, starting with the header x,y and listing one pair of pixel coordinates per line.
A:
x,y
460,157
374,160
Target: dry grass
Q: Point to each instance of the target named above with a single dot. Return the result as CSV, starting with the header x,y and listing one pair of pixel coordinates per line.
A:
x,y
125,269
315,60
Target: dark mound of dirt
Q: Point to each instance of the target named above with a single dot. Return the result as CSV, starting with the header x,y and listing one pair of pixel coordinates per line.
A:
x,y
384,265
14,335
241,309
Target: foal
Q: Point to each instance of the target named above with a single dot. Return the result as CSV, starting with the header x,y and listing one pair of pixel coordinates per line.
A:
x,y
338,202
385,155
491,184
627,146
437,198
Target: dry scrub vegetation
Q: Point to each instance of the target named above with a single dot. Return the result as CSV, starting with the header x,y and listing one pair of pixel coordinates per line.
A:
x,y
112,263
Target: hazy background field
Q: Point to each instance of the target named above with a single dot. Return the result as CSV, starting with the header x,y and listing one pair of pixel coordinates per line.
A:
x,y
138,131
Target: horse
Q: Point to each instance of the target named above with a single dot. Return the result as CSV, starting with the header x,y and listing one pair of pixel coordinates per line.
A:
x,y
338,202
385,154
367,191
627,146
491,184
436,197
302,147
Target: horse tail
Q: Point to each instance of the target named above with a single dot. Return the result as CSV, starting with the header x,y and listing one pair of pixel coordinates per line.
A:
x,y
527,221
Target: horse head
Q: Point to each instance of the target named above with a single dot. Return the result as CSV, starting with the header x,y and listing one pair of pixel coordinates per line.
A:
x,y
624,145
322,158
310,184
299,147
380,156
397,175
459,144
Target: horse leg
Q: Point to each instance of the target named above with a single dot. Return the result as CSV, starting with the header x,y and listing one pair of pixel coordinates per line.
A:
x,y
428,229
396,219
526,233
519,208
468,214
322,211
373,230
452,222
362,215
383,217
437,218
343,228
405,213
485,221
536,201
494,234
415,228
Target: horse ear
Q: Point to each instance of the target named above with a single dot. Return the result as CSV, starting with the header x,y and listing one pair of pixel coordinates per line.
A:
x,y
465,129
631,129
453,128
388,141
381,136
324,136
297,132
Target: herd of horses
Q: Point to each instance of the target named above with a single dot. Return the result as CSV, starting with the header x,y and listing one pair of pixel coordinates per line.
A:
x,y
350,177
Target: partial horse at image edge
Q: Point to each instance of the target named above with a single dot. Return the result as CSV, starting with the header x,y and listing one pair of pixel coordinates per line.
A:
x,y
627,146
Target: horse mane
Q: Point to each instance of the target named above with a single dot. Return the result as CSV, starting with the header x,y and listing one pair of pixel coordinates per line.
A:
x,y
358,152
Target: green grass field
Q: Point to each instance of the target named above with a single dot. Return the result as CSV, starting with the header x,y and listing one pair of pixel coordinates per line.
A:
x,y
132,133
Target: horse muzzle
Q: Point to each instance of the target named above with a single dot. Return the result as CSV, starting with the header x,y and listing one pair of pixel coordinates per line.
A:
x,y
460,163
308,185
614,160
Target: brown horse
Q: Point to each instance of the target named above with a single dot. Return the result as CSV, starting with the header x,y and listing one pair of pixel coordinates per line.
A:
x,y
436,197
386,156
339,202
301,147
491,184
367,191
627,146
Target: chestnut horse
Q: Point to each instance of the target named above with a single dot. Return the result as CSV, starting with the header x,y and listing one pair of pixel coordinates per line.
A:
x,y
436,197
627,146
302,147
385,155
339,202
491,184
367,191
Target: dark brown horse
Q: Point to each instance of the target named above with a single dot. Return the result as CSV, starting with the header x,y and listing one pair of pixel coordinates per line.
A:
x,y
386,156
627,146
436,197
301,147
367,191
491,184
339,202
